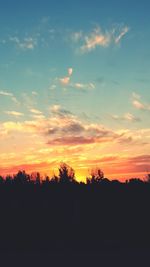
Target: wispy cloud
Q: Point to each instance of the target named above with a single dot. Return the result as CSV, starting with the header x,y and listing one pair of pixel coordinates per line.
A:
x,y
66,81
5,93
27,43
34,93
14,113
99,38
94,39
83,86
35,111
11,95
123,32
126,117
70,71
139,105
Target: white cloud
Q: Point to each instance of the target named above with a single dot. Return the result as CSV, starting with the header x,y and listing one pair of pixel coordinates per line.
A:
x,y
35,111
94,39
13,98
70,71
124,31
14,113
98,38
34,93
5,93
126,117
65,80
27,43
82,86
130,117
55,108
137,104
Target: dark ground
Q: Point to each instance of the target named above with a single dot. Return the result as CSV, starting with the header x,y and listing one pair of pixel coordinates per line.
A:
x,y
75,225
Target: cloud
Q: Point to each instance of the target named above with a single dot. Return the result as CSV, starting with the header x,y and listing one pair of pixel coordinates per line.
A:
x,y
62,127
65,80
124,31
126,117
40,167
34,93
58,111
70,71
27,43
35,111
75,140
98,38
94,39
10,126
136,164
61,124
4,93
13,98
131,117
139,105
82,86
14,113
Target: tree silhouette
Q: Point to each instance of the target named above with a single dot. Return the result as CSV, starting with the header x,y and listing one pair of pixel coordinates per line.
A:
x,y
96,176
22,177
66,173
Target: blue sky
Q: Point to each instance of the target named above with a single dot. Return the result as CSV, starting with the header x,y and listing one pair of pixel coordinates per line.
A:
x,y
90,59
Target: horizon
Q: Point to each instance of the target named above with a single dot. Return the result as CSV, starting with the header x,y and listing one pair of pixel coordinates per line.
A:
x,y
74,87
86,174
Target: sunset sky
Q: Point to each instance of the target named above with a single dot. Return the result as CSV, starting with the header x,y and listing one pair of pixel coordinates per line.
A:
x,y
75,86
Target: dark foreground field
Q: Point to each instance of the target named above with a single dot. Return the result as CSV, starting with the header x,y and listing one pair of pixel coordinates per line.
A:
x,y
74,217
105,222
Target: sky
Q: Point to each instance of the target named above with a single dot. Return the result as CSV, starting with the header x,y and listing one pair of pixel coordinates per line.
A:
x,y
74,87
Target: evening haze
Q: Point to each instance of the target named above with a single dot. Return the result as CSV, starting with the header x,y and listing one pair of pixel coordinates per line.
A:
x,y
74,86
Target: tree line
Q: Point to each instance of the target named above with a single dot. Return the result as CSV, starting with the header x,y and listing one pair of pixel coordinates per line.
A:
x,y
66,174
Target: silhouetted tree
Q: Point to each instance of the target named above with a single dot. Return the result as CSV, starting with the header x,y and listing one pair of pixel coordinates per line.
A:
x,y
135,181
8,179
22,177
38,178
66,173
35,177
96,176
54,179
47,180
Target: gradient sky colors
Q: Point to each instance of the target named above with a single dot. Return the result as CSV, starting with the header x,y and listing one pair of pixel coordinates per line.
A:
x,y
74,86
